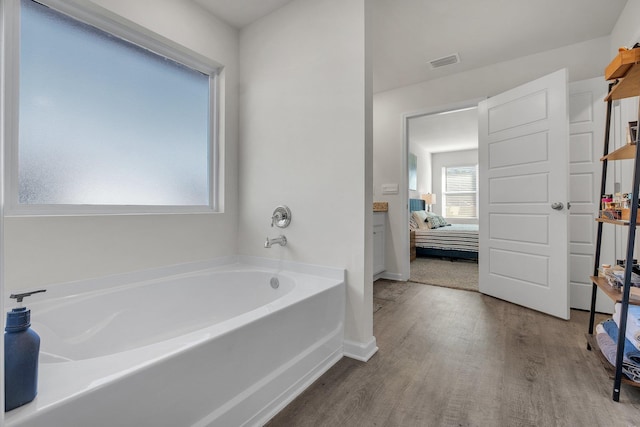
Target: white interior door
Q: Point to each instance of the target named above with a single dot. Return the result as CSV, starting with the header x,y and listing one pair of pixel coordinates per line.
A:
x,y
523,158
587,116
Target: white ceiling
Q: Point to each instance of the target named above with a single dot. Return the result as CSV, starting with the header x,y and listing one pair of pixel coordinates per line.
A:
x,y
240,13
451,131
408,33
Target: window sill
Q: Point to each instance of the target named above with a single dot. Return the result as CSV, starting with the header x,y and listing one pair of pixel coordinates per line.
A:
x,y
80,210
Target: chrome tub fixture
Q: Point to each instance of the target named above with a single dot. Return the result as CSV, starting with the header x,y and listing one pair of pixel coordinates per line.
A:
x,y
281,217
280,240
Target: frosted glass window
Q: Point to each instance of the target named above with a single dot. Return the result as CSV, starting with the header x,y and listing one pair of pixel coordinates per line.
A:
x,y
106,122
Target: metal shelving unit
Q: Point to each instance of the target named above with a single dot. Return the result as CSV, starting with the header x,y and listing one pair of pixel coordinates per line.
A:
x,y
625,70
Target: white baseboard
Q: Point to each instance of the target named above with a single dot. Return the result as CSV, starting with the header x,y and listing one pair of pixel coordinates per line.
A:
x,y
392,276
360,351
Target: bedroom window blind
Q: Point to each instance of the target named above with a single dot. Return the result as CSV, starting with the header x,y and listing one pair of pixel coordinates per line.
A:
x,y
460,191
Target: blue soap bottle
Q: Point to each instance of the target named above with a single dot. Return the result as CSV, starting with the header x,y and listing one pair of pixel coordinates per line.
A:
x,y
21,349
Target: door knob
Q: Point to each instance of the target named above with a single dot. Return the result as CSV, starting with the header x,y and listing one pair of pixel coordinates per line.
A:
x,y
557,206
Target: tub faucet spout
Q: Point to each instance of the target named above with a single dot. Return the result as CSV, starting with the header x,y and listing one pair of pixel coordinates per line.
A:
x,y
280,240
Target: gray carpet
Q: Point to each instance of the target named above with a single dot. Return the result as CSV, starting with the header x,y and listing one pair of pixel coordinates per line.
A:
x,y
459,274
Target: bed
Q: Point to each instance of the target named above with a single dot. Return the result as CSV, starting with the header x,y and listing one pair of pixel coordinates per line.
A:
x,y
455,241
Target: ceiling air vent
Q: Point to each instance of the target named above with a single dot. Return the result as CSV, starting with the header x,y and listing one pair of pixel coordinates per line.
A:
x,y
446,60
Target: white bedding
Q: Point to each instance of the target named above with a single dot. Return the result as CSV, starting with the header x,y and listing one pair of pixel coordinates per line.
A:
x,y
459,237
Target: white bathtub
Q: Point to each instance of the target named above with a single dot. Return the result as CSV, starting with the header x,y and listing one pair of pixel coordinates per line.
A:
x,y
214,346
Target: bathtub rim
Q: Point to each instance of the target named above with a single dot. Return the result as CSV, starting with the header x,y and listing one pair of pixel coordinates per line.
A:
x,y
172,347
81,286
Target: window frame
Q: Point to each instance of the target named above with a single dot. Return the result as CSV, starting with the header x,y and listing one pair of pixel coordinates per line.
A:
x,y
444,192
113,24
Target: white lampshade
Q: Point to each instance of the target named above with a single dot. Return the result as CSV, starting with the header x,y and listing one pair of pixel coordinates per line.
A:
x,y
429,198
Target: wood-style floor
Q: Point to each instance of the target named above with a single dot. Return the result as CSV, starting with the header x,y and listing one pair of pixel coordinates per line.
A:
x,y
456,358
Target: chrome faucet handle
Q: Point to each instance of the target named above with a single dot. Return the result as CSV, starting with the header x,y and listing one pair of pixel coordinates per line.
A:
x,y
281,217
276,218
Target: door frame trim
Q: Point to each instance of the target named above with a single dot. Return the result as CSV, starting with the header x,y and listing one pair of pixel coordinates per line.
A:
x,y
405,269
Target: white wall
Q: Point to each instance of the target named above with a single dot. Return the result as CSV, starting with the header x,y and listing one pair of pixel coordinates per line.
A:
x,y
450,158
627,30
424,171
583,60
306,143
44,250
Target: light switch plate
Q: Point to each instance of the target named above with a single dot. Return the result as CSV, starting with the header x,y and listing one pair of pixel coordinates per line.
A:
x,y
389,188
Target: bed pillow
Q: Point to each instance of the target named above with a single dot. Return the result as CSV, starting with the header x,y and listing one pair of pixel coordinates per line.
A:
x,y
413,225
421,217
435,221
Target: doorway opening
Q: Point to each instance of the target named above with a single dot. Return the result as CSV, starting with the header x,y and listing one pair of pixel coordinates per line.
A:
x,y
441,152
